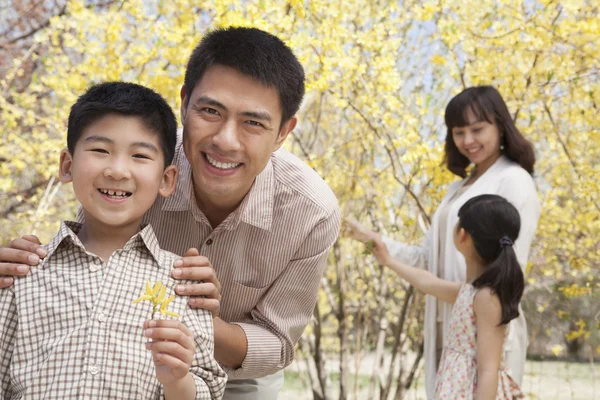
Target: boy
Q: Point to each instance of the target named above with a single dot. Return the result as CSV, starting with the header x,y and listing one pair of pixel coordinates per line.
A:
x,y
70,329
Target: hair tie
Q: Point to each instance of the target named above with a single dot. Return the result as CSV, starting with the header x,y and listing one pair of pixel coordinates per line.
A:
x,y
505,242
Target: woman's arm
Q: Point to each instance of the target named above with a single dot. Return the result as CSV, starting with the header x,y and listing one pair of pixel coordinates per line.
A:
x,y
419,278
490,339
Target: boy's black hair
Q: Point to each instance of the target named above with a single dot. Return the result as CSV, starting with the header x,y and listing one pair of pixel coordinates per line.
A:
x,y
127,99
494,224
253,53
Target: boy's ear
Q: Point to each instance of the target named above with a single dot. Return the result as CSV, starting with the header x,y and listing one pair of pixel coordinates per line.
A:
x,y
64,166
169,181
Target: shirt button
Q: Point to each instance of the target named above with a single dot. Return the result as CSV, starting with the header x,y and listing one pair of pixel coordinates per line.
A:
x,y
102,317
94,370
209,242
95,267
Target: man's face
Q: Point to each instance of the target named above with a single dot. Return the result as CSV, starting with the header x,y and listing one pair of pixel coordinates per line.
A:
x,y
117,170
231,125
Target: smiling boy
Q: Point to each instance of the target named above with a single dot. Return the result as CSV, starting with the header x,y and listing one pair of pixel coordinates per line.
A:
x,y
69,329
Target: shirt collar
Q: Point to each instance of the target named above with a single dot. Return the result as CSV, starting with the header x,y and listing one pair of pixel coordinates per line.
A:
x,y
144,238
256,208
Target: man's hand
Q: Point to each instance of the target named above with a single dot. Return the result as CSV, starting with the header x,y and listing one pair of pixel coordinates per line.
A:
x,y
205,294
17,256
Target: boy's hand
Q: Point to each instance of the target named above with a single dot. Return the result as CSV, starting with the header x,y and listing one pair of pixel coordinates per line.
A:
x,y
206,293
172,348
17,256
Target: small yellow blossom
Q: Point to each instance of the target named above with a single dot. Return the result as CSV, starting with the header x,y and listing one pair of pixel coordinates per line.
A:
x,y
156,295
556,350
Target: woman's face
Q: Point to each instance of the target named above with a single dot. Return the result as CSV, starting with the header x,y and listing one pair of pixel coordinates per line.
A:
x,y
479,141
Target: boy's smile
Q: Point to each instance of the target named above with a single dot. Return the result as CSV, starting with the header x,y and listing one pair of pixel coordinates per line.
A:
x,y
117,170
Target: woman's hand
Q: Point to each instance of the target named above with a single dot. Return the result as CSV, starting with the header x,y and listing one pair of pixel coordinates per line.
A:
x,y
357,231
372,240
172,348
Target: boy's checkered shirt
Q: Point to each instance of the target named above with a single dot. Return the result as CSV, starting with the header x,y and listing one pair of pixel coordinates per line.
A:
x,y
69,329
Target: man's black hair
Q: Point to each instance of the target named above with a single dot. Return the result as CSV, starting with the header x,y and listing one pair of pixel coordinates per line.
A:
x,y
253,53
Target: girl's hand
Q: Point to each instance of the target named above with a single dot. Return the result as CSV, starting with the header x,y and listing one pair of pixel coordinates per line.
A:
x,y
357,231
380,251
172,348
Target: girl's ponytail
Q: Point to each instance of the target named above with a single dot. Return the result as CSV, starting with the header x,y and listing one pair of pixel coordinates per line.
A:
x,y
493,224
505,277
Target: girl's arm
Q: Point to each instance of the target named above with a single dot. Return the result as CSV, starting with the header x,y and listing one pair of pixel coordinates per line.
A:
x,y
419,278
413,255
490,338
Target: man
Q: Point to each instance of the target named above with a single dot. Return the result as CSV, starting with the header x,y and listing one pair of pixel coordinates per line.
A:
x,y
259,215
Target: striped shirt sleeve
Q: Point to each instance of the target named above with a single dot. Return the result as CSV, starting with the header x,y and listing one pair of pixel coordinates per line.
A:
x,y
280,317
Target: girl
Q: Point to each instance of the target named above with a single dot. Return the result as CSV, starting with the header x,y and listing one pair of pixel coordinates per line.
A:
x,y
481,134
472,365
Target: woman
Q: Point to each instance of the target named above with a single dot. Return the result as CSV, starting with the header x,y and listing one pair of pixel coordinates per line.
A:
x,y
480,132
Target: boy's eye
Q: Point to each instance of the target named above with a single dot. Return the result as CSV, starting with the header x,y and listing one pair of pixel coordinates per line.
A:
x,y
99,151
142,156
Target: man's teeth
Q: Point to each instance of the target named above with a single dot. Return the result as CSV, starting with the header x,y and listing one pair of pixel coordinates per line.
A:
x,y
221,165
115,193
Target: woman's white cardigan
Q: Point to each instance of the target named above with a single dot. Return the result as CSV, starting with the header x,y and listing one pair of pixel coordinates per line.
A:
x,y
509,180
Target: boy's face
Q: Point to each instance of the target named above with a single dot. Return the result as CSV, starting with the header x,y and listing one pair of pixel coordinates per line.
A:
x,y
117,170
231,125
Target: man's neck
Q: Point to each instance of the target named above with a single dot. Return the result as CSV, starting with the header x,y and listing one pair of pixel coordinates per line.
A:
x,y
217,211
103,240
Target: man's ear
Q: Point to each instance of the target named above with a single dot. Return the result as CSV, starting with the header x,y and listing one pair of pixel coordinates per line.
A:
x,y
183,95
285,131
169,181
64,166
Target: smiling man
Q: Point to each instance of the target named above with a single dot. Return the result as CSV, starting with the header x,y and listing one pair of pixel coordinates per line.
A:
x,y
263,218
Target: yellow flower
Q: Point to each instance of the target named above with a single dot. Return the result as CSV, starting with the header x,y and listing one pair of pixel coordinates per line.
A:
x,y
156,295
163,308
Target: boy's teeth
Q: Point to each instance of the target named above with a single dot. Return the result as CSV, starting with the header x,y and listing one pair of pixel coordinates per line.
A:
x,y
116,193
221,165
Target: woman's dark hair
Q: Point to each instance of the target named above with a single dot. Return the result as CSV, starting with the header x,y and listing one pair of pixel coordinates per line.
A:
x,y
493,224
486,104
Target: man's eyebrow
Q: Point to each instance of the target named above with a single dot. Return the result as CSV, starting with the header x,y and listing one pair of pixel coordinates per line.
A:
x,y
210,101
145,145
265,116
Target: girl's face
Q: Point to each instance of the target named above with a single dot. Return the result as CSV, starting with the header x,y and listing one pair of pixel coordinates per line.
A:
x,y
479,141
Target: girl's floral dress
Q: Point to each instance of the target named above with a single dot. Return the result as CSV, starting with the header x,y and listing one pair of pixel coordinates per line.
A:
x,y
457,373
